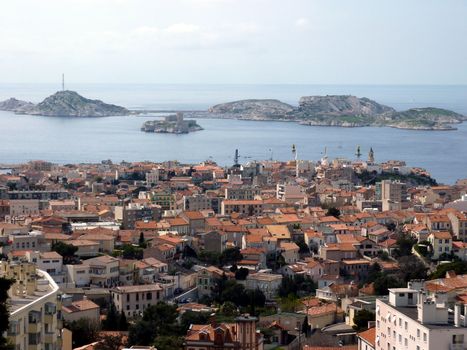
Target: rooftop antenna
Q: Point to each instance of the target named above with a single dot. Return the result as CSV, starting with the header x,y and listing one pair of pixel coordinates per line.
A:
x,y
63,81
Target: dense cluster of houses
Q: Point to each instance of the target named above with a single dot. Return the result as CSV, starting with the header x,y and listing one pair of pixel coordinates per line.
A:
x,y
122,234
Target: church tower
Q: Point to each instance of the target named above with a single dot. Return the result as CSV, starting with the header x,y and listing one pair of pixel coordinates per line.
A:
x,y
371,156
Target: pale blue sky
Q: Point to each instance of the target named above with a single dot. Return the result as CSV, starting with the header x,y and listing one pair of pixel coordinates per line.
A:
x,y
234,41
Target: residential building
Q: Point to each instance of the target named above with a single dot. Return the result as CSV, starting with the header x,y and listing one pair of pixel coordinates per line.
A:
x,y
412,320
241,335
34,307
133,300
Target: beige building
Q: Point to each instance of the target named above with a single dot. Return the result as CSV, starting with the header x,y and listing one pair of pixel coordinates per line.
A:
x,y
24,207
34,307
268,283
103,270
441,241
133,300
248,207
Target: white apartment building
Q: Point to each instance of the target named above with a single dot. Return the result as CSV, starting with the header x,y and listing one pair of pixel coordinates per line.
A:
x,y
50,262
77,275
411,320
34,306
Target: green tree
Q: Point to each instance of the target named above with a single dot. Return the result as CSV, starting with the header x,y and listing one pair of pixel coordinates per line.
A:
x,y
110,323
191,317
84,331
5,285
168,343
235,293
230,256
410,267
361,319
306,328
67,251
158,320
228,309
141,240
304,248
384,282
459,267
189,252
122,322
333,212
241,274
110,342
211,258
405,243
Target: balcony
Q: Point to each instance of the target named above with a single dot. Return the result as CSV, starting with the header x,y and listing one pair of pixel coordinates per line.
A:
x,y
49,338
34,328
49,318
456,346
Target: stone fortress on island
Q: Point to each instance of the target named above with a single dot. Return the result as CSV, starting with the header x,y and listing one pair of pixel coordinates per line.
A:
x,y
171,124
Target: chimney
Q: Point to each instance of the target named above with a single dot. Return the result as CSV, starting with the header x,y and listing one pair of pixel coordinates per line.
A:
x,y
212,320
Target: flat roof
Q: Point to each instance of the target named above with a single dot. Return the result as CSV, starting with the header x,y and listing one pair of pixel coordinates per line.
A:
x,y
412,312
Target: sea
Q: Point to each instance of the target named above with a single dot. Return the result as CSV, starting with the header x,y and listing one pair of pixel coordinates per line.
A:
x,y
72,140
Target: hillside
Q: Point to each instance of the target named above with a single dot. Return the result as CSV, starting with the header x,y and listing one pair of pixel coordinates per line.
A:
x,y
339,110
12,104
64,104
252,109
71,104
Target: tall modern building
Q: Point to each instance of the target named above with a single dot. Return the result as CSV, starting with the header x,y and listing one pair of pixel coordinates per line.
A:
x,y
393,195
34,306
410,319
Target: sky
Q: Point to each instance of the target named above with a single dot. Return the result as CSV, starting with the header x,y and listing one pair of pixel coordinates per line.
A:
x,y
234,41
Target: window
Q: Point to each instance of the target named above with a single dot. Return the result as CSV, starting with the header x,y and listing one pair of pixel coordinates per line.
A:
x,y
149,296
458,339
406,325
424,336
418,333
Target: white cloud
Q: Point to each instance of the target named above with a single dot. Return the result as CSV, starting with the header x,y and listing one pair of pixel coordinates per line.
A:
x,y
145,30
182,28
302,23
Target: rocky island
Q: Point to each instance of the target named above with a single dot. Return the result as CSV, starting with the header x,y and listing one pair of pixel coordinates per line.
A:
x,y
64,104
172,124
339,110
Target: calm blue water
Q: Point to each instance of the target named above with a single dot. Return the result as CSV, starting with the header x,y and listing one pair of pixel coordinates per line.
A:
x,y
63,140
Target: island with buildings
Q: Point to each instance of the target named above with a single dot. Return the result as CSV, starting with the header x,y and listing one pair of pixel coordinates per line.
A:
x,y
328,254
172,124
